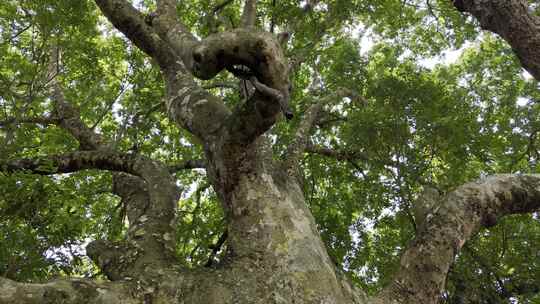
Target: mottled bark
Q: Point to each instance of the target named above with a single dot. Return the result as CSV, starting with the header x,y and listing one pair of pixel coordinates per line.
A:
x,y
131,22
272,237
514,21
258,53
149,196
457,217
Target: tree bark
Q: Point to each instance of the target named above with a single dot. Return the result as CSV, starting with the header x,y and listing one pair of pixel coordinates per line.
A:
x,y
457,217
514,21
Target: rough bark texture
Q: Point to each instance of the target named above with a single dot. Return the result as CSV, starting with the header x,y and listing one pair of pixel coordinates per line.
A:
x,y
459,215
63,291
514,21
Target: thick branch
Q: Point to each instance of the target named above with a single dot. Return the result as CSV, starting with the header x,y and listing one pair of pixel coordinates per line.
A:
x,y
249,14
193,108
260,52
149,201
458,216
514,21
74,291
203,114
73,162
131,22
150,237
187,103
171,30
162,191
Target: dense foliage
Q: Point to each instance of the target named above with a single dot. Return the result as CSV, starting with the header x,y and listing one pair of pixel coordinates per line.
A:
x,y
420,117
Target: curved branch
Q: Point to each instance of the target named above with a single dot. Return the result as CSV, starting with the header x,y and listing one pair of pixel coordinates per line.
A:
x,y
150,201
178,52
460,214
202,113
513,21
258,51
131,23
166,39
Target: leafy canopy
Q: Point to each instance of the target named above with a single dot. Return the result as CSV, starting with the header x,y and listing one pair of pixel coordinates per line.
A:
x,y
419,120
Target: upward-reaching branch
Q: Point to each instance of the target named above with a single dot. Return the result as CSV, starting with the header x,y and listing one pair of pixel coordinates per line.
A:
x,y
459,215
513,21
66,114
131,22
170,28
68,117
167,8
153,195
165,38
264,60
301,138
249,14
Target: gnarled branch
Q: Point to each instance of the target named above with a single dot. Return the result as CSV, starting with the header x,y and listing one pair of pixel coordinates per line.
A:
x,y
249,14
460,214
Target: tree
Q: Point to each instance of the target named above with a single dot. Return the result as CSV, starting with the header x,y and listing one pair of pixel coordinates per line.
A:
x,y
337,176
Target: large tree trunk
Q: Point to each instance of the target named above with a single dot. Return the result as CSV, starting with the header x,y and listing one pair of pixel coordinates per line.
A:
x,y
273,239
